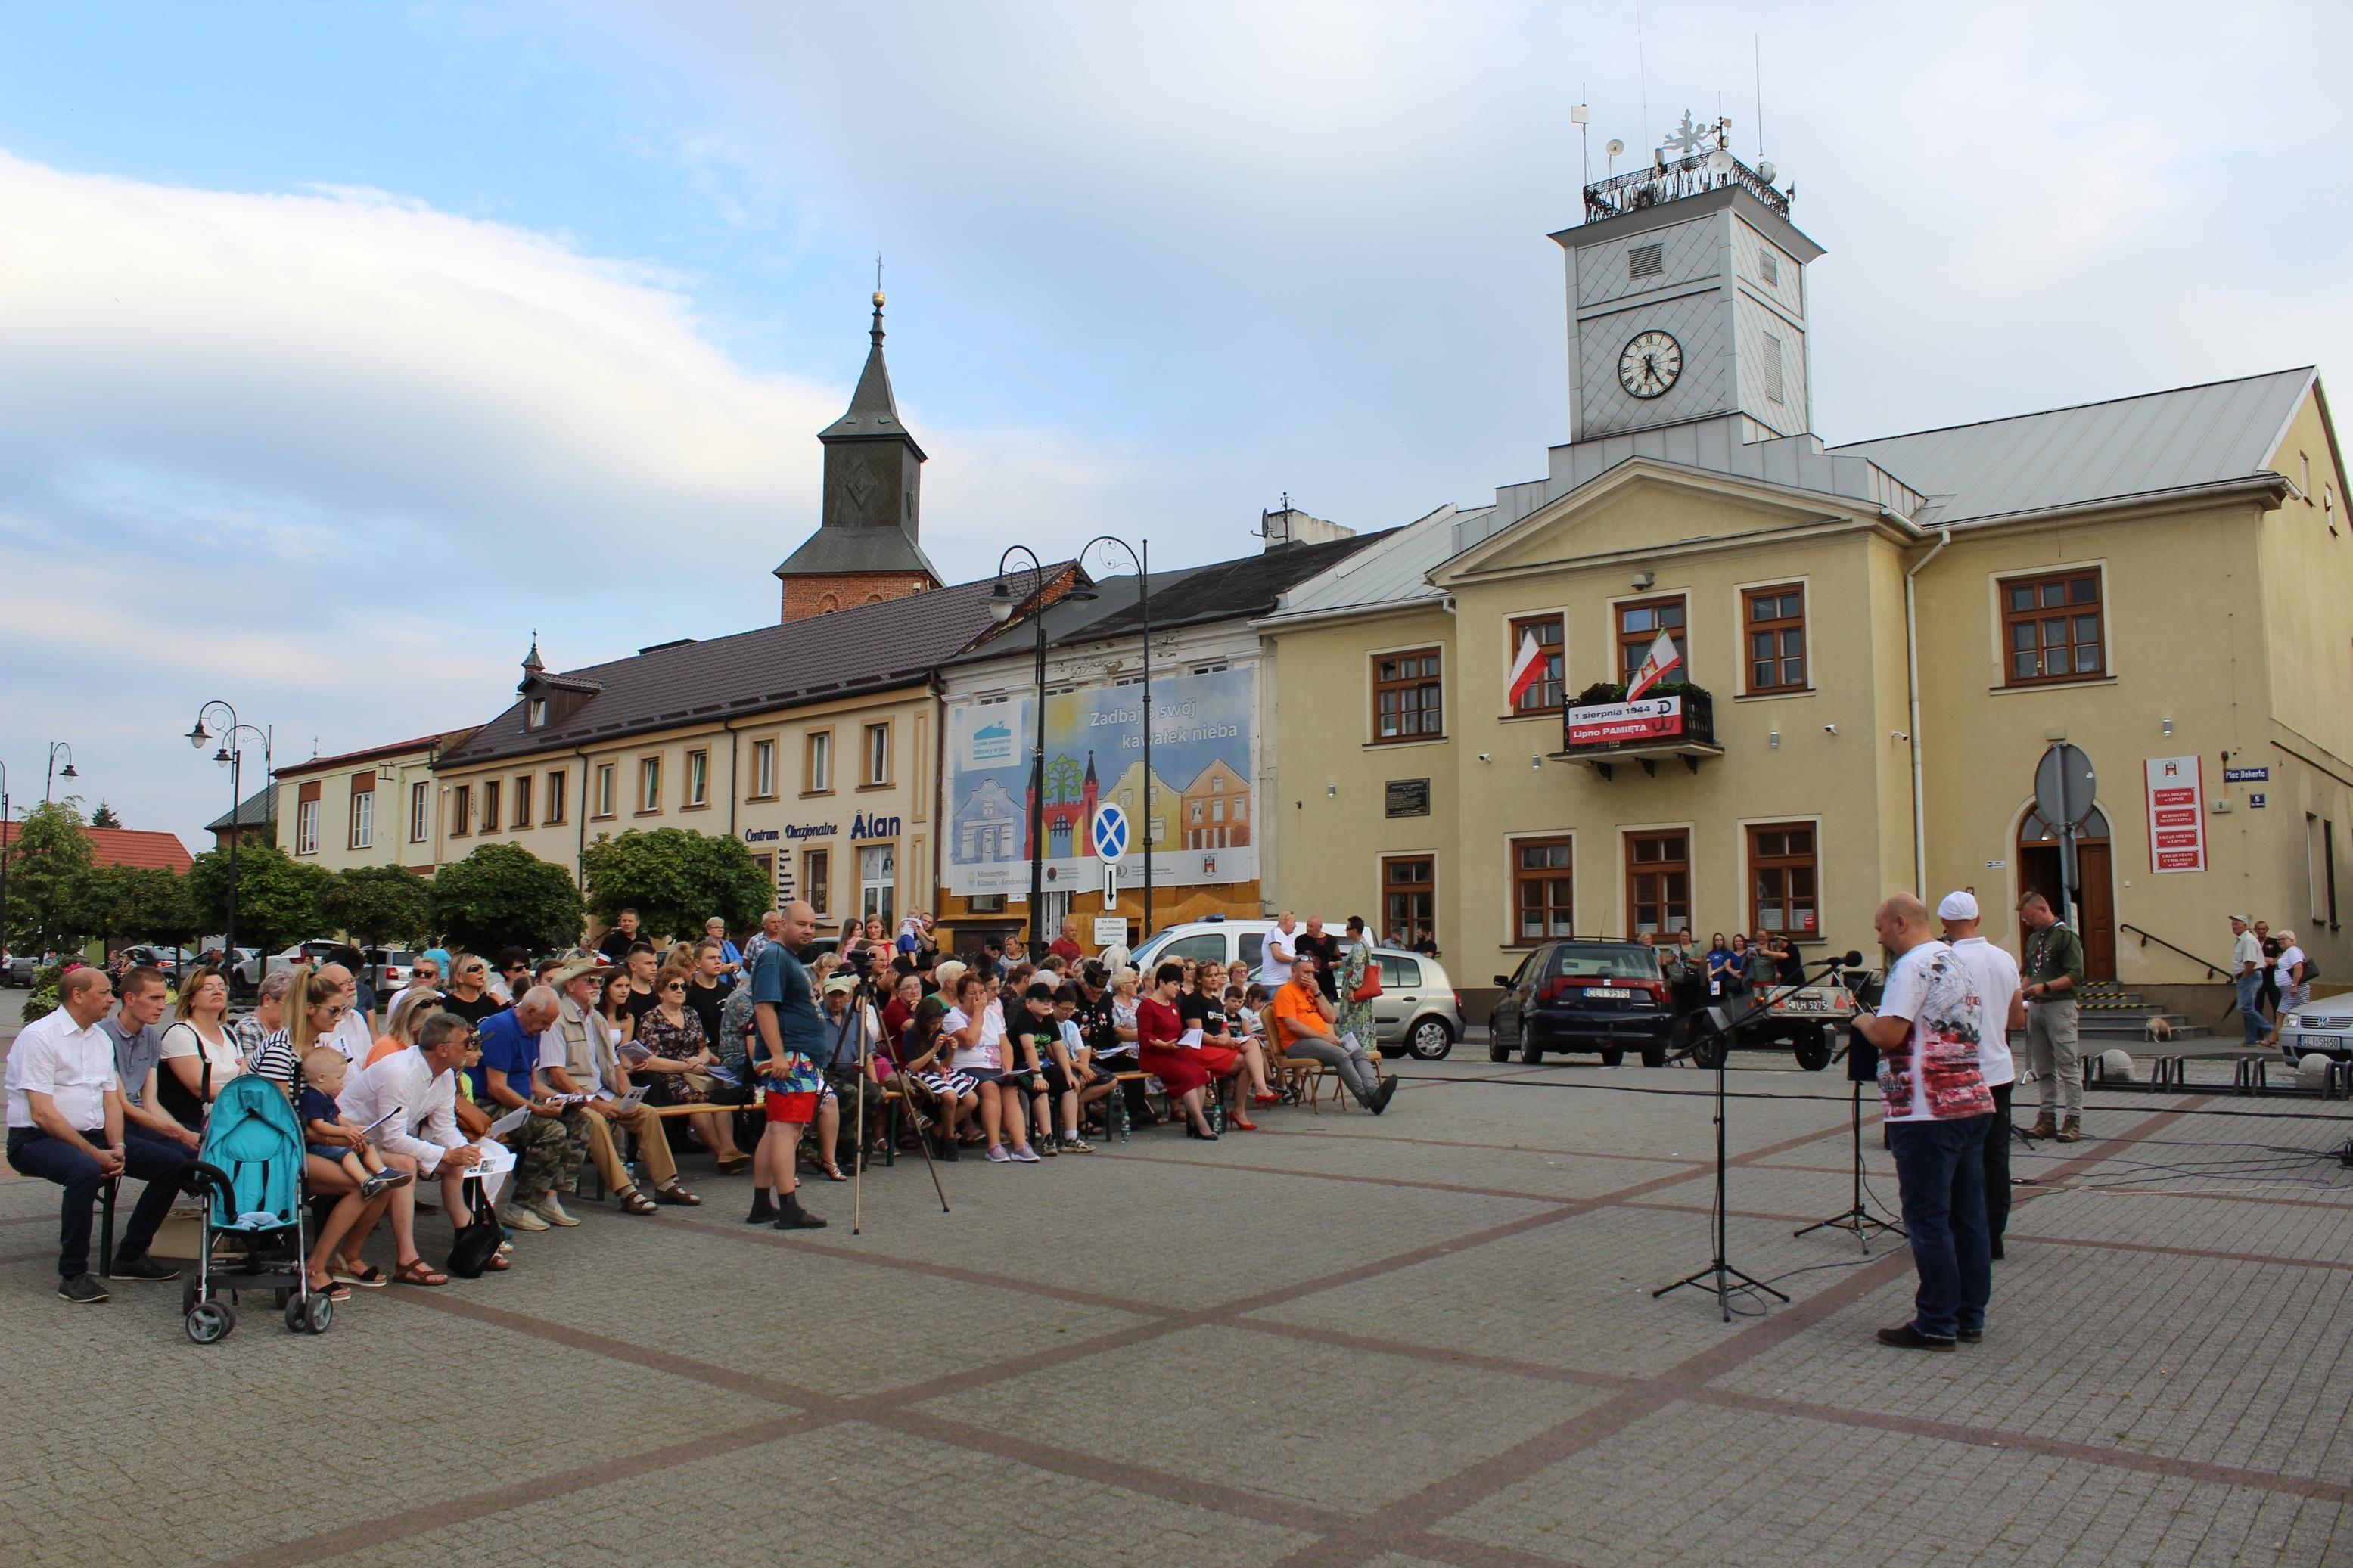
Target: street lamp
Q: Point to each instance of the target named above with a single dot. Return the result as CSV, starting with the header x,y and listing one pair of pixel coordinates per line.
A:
x,y
1144,604
55,773
1002,602
4,857
232,755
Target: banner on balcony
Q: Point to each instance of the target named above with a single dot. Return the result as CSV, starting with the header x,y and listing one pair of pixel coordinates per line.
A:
x,y
1607,723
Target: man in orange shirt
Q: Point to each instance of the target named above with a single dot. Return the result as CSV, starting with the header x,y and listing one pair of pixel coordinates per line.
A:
x,y
1303,1026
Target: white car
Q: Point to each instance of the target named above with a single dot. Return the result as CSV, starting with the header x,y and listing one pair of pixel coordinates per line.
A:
x,y
2324,1025
1418,1008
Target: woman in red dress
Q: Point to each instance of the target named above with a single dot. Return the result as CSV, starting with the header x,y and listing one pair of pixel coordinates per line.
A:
x,y
1158,1036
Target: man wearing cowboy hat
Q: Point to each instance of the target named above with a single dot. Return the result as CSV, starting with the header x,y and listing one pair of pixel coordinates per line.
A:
x,y
576,1056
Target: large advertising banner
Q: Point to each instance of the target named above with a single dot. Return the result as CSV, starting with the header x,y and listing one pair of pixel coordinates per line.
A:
x,y
1204,817
2177,813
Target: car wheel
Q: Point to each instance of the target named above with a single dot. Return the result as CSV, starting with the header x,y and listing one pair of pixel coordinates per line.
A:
x,y
1430,1040
1532,1055
1709,1054
1612,1058
1814,1052
1497,1051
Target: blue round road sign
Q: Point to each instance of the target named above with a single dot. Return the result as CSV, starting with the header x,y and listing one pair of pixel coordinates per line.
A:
x,y
1109,833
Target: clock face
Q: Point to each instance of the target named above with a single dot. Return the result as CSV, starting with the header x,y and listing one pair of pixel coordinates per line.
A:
x,y
1649,365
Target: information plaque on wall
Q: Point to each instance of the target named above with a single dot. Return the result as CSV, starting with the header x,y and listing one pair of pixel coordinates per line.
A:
x,y
1409,797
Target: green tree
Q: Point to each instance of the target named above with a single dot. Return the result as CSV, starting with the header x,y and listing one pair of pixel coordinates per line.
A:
x,y
47,855
118,903
675,879
277,895
104,816
503,894
377,905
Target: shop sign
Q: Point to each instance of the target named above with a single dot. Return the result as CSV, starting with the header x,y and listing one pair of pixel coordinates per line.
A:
x,y
2177,813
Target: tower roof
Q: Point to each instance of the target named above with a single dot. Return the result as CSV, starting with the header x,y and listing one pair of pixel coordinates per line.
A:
x,y
872,411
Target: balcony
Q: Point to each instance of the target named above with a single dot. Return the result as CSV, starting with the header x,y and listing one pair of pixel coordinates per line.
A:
x,y
1672,719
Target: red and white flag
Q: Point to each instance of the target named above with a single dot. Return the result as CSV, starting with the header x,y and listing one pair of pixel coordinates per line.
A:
x,y
1527,670
1663,657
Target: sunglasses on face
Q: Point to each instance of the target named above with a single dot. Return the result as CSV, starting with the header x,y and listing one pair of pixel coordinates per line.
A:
x,y
677,985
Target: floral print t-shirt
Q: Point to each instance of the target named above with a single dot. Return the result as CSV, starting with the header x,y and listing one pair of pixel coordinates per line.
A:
x,y
1932,1075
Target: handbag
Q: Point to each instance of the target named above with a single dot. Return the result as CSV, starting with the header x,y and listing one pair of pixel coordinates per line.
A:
x,y
1368,987
478,1242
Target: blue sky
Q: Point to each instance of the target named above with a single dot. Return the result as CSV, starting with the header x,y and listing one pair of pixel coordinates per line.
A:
x,y
349,345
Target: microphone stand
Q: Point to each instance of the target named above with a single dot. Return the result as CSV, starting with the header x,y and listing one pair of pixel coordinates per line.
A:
x,y
853,1022
1719,1275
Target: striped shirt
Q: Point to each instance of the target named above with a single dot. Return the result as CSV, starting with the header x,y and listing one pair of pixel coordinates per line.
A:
x,y
275,1059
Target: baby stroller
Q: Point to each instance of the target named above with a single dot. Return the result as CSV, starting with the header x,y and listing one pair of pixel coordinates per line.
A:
x,y
249,1175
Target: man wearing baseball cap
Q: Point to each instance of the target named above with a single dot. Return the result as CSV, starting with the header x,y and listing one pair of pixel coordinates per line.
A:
x,y
2001,1007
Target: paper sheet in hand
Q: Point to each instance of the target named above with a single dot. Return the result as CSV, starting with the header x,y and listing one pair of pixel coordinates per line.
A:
x,y
497,1159
635,1097
1190,1039
380,1120
723,1074
509,1121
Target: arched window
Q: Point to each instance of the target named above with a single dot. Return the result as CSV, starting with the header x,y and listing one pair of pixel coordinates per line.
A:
x,y
2034,830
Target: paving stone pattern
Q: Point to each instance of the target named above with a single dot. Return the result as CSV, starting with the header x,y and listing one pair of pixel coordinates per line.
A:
x,y
1425,1338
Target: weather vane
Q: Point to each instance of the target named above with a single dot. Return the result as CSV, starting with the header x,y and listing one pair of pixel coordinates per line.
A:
x,y
1692,137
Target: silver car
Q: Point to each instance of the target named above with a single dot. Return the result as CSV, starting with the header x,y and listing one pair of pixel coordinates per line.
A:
x,y
1418,1010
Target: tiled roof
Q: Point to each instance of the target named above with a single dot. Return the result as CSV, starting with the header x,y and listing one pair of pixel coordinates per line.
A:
x,y
2128,446
259,809
373,753
867,647
140,848
1394,571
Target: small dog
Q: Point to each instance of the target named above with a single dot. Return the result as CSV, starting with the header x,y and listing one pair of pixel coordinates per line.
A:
x,y
2155,1028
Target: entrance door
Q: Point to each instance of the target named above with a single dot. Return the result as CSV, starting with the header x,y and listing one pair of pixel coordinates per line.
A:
x,y
2039,872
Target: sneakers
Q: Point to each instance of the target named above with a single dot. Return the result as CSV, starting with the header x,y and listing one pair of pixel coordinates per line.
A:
x,y
996,1154
2070,1130
140,1268
83,1291
1074,1144
1046,1146
2046,1126
1382,1096
515,1218
383,1180
1908,1338
1025,1155
551,1211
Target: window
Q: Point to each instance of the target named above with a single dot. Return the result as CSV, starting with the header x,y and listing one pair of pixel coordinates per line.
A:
x,y
1639,623
878,754
816,880
818,775
1545,696
489,805
1775,621
1781,879
763,770
1769,267
522,801
552,815
878,879
698,778
649,784
363,825
1773,367
306,820
1405,974
420,811
1215,666
1408,898
535,714
1543,896
1645,262
1406,700
1658,882
461,811
2051,629
604,789
2328,861
2320,853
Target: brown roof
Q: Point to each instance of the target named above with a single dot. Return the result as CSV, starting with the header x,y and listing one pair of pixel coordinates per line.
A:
x,y
867,647
395,749
140,848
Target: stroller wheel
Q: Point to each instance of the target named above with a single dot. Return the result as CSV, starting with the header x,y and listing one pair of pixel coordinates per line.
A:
x,y
209,1322
188,1297
279,1299
318,1314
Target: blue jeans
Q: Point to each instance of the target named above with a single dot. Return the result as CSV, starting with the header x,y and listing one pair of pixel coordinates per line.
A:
x,y
144,1156
1940,1168
2250,1011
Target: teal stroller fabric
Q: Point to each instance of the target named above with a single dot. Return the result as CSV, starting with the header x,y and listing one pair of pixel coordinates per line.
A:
x,y
253,1140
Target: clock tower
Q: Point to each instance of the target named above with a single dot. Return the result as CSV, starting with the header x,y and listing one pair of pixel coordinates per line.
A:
x,y
1687,297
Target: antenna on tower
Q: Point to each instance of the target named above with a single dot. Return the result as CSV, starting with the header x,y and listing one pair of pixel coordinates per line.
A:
x,y
1642,71
1581,115
1757,50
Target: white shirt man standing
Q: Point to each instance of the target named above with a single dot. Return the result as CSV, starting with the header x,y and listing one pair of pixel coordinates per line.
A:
x,y
2001,1007
1275,957
1938,1111
2247,976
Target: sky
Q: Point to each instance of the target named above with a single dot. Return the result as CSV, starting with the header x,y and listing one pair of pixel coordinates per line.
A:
x,y
344,346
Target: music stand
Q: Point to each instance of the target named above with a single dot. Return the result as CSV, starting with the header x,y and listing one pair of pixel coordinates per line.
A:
x,y
1712,1026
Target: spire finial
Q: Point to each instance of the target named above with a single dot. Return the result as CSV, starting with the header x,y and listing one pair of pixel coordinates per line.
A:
x,y
875,335
530,661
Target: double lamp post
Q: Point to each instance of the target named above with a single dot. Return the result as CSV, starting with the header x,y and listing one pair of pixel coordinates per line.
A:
x,y
231,756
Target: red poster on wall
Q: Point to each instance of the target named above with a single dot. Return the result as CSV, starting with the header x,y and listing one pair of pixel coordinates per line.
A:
x,y
2177,813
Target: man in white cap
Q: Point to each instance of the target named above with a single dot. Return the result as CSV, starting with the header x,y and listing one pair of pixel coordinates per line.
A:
x,y
2001,1007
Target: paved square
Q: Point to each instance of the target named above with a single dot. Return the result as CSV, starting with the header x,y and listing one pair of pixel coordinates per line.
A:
x,y
1423,1338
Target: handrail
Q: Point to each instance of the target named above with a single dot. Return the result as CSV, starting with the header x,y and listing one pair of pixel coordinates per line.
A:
x,y
2213,971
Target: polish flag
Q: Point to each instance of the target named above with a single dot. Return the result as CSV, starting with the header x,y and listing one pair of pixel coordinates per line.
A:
x,y
1662,659
1526,670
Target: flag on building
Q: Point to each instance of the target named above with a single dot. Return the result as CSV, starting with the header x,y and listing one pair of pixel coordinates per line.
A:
x,y
1663,657
1528,671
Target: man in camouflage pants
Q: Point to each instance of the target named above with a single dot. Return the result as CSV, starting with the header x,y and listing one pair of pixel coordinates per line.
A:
x,y
549,1142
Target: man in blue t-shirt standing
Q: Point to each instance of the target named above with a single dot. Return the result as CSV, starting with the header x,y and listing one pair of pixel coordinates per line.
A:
x,y
788,1038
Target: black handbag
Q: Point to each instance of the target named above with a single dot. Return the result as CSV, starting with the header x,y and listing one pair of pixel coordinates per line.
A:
x,y
478,1240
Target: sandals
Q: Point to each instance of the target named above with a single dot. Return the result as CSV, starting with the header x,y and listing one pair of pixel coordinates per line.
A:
x,y
499,1264
333,1291
416,1271
832,1172
366,1275
674,1193
636,1201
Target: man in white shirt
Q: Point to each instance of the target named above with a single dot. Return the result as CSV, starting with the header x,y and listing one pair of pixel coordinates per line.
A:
x,y
1280,951
2247,976
2001,1007
1938,1111
577,1056
419,1087
64,1125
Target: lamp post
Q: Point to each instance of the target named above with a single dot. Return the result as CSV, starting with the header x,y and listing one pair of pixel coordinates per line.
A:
x,y
1144,604
231,756
4,835
1002,602
54,774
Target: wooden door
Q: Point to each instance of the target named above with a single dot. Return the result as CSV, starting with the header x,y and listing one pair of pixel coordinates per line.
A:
x,y
2099,910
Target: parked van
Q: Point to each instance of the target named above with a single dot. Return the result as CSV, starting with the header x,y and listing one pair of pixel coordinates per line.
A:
x,y
1418,1010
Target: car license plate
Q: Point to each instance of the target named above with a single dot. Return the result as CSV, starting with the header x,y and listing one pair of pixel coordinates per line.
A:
x,y
1610,993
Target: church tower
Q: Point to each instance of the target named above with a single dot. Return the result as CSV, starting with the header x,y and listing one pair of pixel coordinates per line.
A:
x,y
865,547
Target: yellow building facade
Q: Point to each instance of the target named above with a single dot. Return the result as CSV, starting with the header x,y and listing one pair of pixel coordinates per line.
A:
x,y
373,808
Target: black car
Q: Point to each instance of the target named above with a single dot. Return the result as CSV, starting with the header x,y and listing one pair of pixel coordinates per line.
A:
x,y
1583,995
